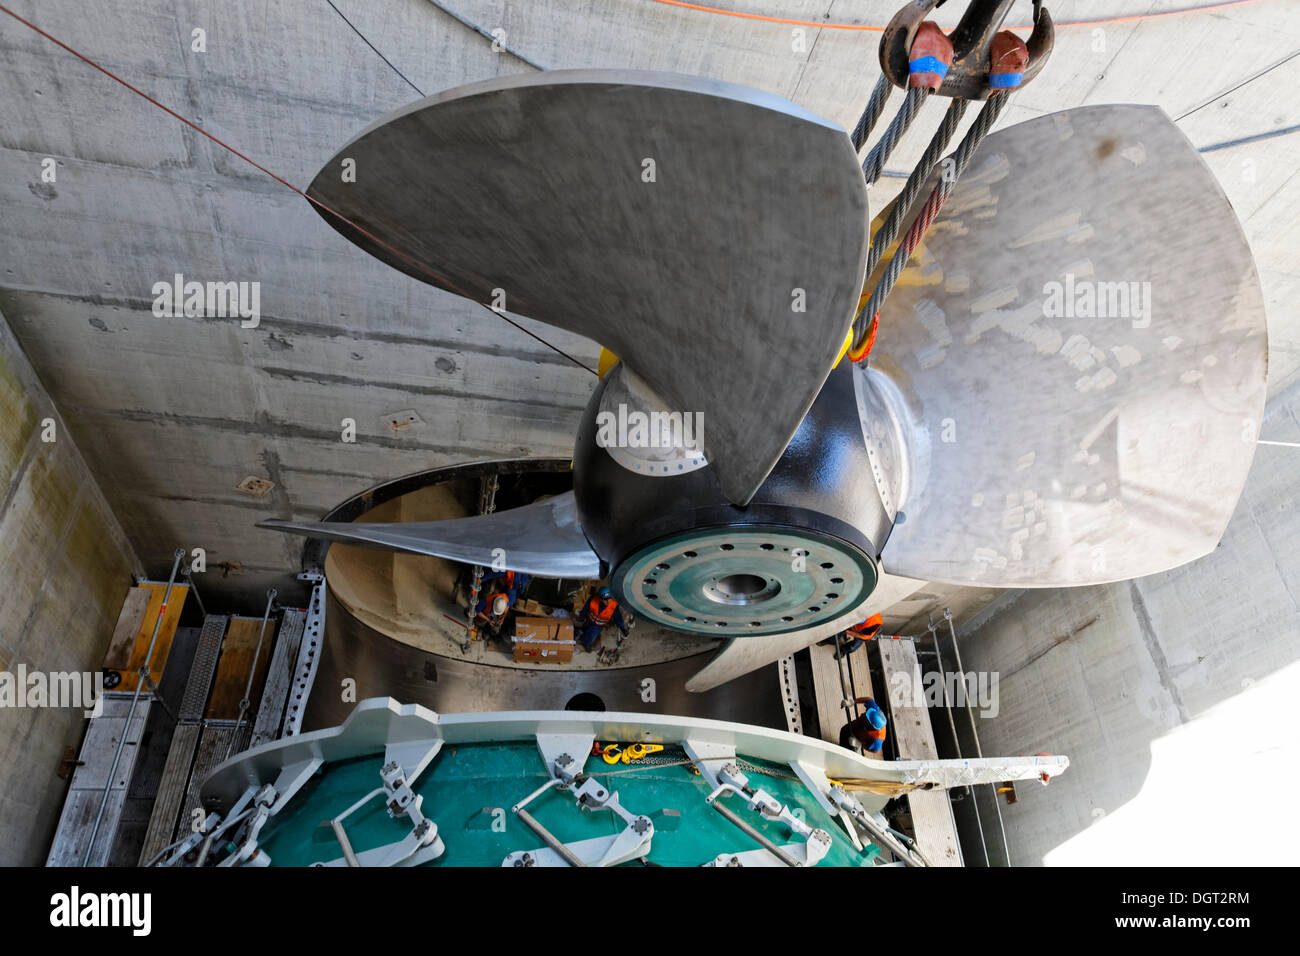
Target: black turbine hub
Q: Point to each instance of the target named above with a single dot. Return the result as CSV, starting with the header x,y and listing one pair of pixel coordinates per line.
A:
x,y
801,553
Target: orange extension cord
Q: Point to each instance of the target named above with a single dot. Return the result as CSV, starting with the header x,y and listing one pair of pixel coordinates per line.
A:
x,y
718,11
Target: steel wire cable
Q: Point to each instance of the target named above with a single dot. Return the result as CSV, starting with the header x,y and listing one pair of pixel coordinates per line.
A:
x,y
988,115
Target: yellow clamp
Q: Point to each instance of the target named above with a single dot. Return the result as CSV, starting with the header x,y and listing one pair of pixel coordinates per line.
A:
x,y
613,753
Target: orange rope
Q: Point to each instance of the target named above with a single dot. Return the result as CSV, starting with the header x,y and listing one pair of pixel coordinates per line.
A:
x,y
700,8
755,16
857,355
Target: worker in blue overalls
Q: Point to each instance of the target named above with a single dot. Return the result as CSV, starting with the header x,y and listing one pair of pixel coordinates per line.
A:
x,y
512,584
865,733
499,591
599,611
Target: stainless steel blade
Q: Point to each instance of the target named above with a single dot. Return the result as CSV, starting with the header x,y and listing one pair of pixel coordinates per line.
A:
x,y
544,538
1075,362
712,236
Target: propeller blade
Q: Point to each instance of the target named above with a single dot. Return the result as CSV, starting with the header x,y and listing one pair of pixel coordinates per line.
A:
x,y
543,538
710,235
1070,376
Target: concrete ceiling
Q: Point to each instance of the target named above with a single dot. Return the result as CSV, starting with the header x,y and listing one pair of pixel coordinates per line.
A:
x,y
172,413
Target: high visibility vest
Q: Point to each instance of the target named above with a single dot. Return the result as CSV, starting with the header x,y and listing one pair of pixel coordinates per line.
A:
x,y
869,735
510,580
601,613
869,627
487,601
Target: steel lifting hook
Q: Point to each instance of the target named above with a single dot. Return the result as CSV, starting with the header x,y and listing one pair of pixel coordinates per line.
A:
x,y
972,41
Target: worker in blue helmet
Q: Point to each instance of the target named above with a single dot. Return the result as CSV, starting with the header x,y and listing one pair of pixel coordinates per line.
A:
x,y
600,610
866,732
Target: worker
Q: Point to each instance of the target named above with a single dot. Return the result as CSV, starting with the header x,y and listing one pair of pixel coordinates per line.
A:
x,y
848,641
596,614
512,583
491,612
867,731
507,584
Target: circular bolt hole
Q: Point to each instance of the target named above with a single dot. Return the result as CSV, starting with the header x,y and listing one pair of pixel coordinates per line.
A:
x,y
837,580
666,610
827,565
690,620
653,597
832,596
767,547
755,623
815,608
689,554
727,547
722,624
664,567
787,619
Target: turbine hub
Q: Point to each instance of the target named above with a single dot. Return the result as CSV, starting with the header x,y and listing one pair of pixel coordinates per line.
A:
x,y
745,581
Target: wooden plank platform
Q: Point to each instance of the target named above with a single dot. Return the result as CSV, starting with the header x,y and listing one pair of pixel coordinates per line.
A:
x,y
129,624
214,743
139,646
172,792
826,687
932,820
89,780
232,669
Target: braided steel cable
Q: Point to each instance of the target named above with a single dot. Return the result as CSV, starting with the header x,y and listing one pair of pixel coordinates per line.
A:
x,y
864,329
874,164
870,116
888,230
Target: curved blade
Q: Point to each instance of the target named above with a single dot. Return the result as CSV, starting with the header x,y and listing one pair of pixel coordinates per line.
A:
x,y
1075,363
712,236
542,538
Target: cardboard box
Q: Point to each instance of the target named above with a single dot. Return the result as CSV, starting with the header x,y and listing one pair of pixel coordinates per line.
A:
x,y
531,608
543,640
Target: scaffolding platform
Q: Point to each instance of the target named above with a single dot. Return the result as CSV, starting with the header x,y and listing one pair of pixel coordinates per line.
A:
x,y
174,784
932,820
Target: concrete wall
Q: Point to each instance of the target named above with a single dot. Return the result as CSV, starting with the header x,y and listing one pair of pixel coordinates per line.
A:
x,y
65,567
1173,695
